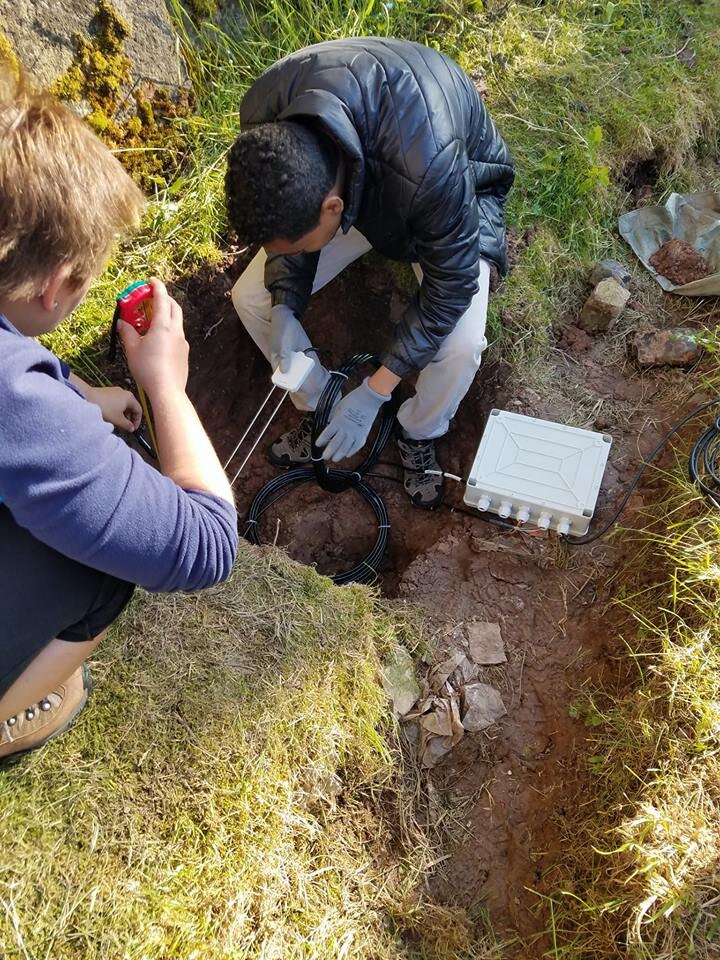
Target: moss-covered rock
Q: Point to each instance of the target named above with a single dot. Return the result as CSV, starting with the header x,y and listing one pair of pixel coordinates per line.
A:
x,y
116,61
7,54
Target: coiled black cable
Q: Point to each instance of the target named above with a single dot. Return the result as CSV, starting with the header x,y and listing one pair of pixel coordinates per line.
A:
x,y
333,479
704,463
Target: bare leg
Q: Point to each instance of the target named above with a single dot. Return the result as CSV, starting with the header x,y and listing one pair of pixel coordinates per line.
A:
x,y
52,666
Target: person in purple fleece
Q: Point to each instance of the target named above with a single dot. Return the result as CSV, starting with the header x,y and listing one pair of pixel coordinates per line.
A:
x,y
83,518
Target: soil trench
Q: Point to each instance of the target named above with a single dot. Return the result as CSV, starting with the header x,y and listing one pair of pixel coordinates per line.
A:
x,y
548,600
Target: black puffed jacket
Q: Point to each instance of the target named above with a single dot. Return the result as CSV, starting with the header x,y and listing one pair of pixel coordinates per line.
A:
x,y
427,173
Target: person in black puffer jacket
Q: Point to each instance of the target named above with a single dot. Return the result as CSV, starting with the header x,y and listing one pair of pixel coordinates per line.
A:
x,y
360,144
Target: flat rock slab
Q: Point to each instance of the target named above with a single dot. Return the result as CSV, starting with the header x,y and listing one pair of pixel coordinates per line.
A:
x,y
398,680
485,643
667,348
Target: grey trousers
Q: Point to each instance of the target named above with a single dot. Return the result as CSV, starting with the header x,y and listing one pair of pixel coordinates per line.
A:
x,y
440,386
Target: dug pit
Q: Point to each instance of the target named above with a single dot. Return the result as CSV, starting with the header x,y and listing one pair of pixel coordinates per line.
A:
x,y
549,601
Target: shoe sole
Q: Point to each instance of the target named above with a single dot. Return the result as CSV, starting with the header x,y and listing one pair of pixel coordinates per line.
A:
x,y
427,504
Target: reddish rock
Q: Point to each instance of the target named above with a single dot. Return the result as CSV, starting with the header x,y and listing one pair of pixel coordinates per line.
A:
x,y
667,348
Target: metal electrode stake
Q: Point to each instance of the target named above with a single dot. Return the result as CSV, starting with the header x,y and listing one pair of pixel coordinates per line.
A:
x,y
289,382
146,413
260,435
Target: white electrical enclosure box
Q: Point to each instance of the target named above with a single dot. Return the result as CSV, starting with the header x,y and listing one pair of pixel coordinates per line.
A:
x,y
538,472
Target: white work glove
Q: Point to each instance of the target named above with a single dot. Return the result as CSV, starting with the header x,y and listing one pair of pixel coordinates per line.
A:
x,y
351,422
287,336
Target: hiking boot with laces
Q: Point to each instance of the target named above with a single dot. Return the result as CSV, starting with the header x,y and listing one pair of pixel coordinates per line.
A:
x,y
49,718
425,490
292,449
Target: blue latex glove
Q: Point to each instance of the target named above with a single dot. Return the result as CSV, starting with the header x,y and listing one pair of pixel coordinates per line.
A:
x,y
286,337
351,422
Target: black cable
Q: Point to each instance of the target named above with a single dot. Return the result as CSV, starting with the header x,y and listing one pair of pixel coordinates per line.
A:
x,y
703,469
452,507
333,479
704,463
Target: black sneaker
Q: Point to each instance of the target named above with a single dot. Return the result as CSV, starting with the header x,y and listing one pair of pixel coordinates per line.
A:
x,y
426,490
292,449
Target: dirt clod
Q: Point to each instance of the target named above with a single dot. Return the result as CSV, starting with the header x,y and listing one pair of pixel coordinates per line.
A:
x,y
575,339
680,262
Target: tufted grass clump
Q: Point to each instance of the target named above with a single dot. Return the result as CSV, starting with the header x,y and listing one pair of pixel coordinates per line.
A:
x,y
234,789
641,868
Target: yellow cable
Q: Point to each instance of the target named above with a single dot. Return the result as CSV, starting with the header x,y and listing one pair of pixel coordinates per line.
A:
x,y
148,419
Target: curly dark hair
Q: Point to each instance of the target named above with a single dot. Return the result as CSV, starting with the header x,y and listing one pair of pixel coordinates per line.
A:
x,y
277,177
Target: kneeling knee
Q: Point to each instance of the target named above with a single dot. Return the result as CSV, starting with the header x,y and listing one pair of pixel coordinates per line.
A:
x,y
465,352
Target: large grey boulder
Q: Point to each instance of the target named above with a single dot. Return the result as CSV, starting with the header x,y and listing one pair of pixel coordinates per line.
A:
x,y
42,34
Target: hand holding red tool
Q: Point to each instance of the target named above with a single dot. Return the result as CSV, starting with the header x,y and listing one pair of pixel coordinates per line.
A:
x,y
134,307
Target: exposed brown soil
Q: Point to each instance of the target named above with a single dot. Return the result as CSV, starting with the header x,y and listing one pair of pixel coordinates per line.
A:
x,y
640,175
549,600
680,262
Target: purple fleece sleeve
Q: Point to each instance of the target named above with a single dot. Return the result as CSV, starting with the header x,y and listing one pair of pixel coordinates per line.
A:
x,y
80,489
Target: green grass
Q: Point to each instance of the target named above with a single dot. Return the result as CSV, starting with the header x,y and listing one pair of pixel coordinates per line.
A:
x,y
195,808
235,790
582,91
642,865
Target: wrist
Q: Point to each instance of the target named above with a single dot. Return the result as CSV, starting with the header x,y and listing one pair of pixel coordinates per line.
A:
x,y
85,389
167,393
375,395
383,382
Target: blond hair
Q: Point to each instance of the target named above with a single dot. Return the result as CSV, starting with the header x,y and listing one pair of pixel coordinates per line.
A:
x,y
64,198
